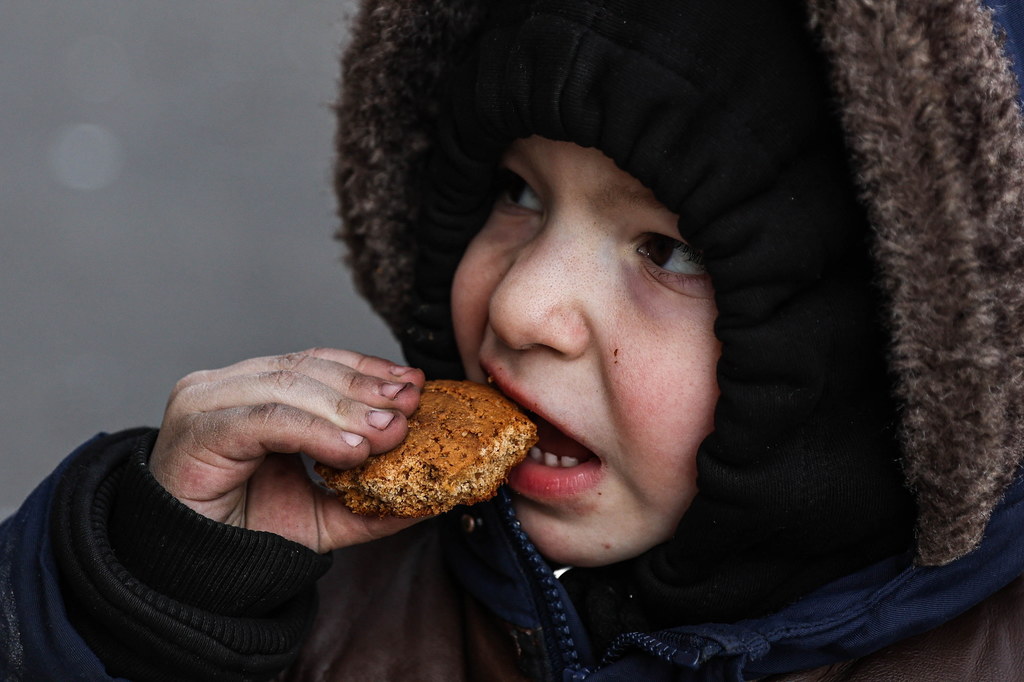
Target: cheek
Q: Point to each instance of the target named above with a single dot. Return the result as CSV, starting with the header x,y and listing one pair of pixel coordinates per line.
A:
x,y
677,400
666,392
664,357
471,290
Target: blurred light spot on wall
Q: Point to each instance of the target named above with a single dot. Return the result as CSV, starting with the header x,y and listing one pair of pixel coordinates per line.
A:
x,y
85,156
97,68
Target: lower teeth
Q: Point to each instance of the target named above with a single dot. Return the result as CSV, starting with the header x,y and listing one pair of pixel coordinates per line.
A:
x,y
552,460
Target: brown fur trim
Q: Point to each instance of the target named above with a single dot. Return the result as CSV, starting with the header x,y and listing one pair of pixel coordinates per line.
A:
x,y
929,106
390,72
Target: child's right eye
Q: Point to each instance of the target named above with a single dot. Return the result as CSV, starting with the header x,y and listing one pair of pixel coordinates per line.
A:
x,y
516,191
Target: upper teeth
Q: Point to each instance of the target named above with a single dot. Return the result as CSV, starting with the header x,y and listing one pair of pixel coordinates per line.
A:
x,y
551,459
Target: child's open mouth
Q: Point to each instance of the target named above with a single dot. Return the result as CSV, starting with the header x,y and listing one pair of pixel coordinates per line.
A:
x,y
558,466
554,448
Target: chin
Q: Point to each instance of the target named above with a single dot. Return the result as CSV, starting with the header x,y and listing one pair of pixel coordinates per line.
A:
x,y
573,542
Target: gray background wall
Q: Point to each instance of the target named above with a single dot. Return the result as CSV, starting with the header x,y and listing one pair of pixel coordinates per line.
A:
x,y
166,206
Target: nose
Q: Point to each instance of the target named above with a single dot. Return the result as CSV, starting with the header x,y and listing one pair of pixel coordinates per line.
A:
x,y
544,299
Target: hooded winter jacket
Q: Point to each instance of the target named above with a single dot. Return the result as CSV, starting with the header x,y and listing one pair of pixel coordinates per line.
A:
x,y
895,124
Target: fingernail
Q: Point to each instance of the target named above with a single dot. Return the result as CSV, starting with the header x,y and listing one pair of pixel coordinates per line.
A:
x,y
352,439
379,420
391,390
400,370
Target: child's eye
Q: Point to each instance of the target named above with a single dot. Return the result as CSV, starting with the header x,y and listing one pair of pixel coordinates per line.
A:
x,y
514,190
672,255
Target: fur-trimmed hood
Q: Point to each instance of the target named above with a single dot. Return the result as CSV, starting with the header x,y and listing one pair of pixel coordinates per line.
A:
x,y
929,109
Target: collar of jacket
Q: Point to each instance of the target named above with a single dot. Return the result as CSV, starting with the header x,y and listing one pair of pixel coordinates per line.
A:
x,y
849,618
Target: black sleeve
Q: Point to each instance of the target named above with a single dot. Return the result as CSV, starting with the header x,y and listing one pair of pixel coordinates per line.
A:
x,y
162,593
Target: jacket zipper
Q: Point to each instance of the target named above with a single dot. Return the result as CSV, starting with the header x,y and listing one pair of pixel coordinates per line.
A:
x,y
545,588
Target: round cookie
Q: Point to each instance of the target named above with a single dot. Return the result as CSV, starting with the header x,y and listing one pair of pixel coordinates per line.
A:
x,y
463,440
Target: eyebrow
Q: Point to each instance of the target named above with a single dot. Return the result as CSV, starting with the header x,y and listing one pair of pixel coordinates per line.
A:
x,y
614,195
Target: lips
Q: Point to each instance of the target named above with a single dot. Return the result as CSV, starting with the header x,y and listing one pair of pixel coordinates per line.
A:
x,y
556,483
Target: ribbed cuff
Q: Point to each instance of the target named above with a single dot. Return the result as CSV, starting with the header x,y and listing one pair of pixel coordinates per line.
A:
x,y
138,630
186,556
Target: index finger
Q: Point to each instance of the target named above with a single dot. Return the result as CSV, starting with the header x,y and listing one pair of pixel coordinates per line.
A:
x,y
367,364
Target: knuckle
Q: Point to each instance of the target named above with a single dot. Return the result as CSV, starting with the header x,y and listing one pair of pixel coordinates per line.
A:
x,y
354,381
183,394
188,381
365,363
292,361
311,422
343,407
265,413
284,379
196,377
187,398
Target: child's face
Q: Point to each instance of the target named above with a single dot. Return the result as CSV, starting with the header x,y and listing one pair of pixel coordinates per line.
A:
x,y
581,304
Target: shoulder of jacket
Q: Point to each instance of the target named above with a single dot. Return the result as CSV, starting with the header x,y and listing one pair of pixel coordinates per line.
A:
x,y
983,643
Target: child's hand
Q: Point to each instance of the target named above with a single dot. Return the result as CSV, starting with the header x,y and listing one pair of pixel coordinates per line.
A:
x,y
229,437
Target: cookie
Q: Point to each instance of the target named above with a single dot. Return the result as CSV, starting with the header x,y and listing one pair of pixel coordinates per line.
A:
x,y
463,440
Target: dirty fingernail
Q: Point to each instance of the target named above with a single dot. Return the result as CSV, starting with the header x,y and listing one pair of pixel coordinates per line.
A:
x,y
352,439
391,390
379,420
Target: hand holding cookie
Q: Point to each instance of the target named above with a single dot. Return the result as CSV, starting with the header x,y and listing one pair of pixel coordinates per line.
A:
x,y
230,437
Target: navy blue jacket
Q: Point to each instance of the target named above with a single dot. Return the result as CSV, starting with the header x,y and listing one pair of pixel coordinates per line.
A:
x,y
852,617
861,613
39,642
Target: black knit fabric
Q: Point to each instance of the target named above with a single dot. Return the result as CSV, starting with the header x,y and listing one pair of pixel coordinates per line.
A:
x,y
162,593
721,109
